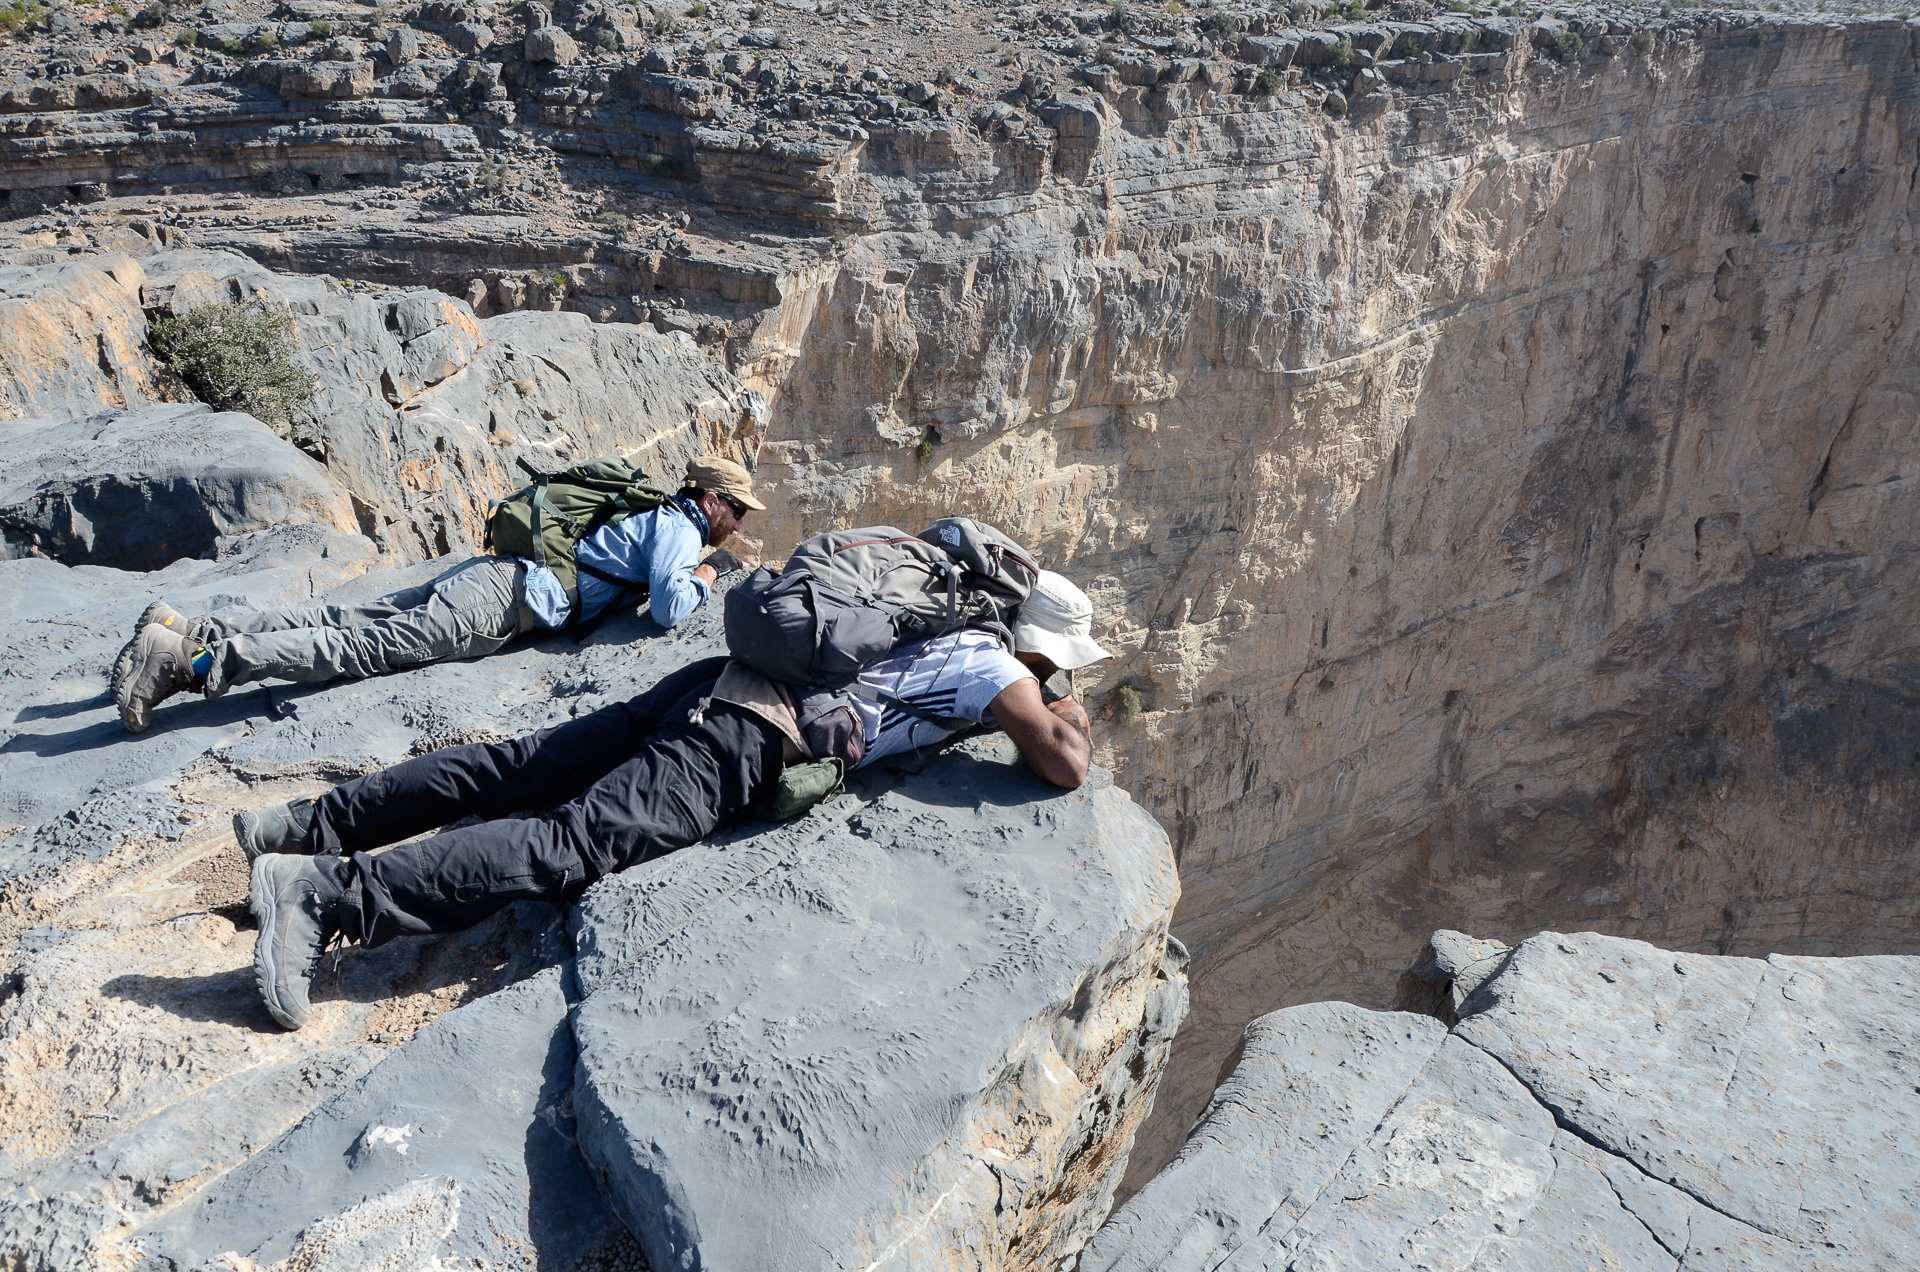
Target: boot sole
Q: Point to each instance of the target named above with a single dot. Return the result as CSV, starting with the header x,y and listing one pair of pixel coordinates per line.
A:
x,y
264,907
147,616
122,668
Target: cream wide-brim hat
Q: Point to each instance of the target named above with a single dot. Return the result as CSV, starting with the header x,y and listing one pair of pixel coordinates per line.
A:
x,y
1056,622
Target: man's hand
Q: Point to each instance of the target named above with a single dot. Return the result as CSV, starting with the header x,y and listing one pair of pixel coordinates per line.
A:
x,y
724,562
705,573
1072,712
1052,737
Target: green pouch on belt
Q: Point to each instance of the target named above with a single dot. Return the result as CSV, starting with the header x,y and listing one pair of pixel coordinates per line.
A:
x,y
801,786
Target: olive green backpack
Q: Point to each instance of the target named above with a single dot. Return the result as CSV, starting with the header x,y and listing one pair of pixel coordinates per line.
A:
x,y
543,521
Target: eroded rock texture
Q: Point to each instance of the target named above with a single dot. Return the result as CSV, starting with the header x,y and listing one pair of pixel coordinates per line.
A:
x,y
1601,1103
140,489
1499,498
919,1032
923,1023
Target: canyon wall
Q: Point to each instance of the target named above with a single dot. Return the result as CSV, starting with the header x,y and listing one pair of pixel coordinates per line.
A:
x,y
1497,497
1489,460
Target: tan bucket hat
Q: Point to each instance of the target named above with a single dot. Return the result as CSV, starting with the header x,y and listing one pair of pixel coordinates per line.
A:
x,y
723,477
1057,622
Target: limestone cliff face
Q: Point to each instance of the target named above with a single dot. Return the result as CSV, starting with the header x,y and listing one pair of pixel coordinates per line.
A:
x,y
1500,498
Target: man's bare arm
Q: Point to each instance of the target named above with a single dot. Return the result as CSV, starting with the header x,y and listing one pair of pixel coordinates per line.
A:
x,y
1052,737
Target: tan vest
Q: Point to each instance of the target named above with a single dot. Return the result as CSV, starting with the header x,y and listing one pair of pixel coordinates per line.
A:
x,y
771,701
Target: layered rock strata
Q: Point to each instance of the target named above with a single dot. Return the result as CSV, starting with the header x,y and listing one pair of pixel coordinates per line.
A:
x,y
1600,1102
1493,480
1496,496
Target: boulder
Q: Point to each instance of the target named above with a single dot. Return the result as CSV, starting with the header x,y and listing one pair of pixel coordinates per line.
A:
x,y
138,489
470,37
342,81
552,45
900,1026
73,339
423,409
1601,1103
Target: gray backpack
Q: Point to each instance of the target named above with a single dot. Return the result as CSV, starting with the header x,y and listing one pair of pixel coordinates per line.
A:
x,y
850,596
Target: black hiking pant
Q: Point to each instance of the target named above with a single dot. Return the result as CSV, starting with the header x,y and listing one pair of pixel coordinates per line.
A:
x,y
627,783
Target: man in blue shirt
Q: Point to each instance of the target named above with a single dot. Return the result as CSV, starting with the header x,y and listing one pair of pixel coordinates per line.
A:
x,y
474,609
658,550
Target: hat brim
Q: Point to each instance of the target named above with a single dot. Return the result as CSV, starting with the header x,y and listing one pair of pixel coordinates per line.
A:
x,y
1063,651
748,500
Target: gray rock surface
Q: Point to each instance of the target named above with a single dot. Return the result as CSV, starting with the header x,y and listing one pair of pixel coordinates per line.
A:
x,y
1602,1103
460,1146
141,488
72,339
897,1026
423,410
151,1115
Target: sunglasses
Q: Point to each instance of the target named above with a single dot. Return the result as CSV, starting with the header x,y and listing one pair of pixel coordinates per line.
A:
x,y
739,509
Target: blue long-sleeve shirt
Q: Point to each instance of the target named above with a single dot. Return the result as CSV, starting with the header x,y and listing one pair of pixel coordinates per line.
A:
x,y
659,548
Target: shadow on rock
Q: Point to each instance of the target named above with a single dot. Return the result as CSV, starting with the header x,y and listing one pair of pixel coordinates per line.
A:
x,y
220,998
61,710
960,779
218,713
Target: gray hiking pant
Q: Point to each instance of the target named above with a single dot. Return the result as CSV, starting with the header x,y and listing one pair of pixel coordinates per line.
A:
x,y
473,610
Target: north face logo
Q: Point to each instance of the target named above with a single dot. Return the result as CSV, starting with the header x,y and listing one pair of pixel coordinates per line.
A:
x,y
950,535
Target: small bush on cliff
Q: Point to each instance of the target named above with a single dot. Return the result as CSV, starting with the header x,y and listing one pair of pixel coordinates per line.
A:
x,y
1341,54
1221,26
1568,47
238,356
21,13
1267,83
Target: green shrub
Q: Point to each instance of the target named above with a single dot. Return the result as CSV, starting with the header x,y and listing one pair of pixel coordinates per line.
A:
x,y
698,9
1342,54
615,223
1118,18
154,16
1266,83
1124,704
238,356
945,77
494,178
21,13
319,29
1221,26
1568,47
559,281
1106,56
1642,41
757,14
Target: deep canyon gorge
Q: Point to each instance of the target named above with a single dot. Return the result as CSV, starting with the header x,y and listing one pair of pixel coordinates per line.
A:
x,y
1491,459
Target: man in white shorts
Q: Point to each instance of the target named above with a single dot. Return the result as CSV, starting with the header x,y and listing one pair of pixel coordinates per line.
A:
x,y
930,689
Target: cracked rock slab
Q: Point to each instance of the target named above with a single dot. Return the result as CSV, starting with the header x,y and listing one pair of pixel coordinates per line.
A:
x,y
916,1029
1601,1103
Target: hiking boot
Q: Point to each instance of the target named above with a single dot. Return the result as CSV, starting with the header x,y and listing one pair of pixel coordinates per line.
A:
x,y
153,667
284,828
296,901
170,618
